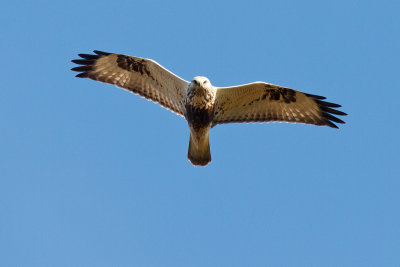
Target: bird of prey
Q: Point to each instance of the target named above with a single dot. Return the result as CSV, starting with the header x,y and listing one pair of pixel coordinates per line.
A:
x,y
202,104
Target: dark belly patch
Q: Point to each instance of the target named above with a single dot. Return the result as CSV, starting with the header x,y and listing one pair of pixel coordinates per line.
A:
x,y
198,118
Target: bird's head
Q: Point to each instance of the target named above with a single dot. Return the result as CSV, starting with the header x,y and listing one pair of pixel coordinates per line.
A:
x,y
200,81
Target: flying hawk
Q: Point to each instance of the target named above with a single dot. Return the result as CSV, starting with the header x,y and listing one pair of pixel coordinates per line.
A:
x,y
203,105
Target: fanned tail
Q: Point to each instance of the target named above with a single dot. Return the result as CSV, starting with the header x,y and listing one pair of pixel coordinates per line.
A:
x,y
199,149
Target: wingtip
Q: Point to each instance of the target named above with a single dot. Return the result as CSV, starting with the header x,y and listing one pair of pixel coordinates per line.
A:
x,y
331,124
328,110
101,53
316,96
82,75
88,56
83,61
83,68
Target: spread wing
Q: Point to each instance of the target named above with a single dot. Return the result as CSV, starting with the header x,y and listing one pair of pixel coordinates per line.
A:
x,y
262,102
144,77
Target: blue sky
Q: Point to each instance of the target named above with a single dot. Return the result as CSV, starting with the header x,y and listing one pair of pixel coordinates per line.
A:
x,y
94,176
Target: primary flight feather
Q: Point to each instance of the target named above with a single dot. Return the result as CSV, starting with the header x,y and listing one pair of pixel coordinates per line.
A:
x,y
204,105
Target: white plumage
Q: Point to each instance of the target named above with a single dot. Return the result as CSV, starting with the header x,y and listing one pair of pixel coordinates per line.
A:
x,y
202,104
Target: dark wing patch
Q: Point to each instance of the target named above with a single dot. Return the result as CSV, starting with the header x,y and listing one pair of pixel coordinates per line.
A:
x,y
274,93
132,64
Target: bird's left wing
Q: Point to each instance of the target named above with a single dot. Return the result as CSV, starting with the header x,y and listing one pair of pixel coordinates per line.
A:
x,y
262,102
141,76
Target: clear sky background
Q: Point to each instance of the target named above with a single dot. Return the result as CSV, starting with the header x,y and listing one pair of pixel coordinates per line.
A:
x,y
91,175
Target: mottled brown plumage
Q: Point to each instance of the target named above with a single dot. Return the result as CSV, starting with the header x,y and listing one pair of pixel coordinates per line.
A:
x,y
203,105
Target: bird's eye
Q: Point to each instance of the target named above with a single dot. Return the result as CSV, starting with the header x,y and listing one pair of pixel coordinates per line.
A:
x,y
205,82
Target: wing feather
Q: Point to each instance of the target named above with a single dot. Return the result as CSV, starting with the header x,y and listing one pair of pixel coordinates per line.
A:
x,y
141,76
263,102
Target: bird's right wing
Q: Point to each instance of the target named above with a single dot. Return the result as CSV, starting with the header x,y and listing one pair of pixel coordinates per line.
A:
x,y
144,77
